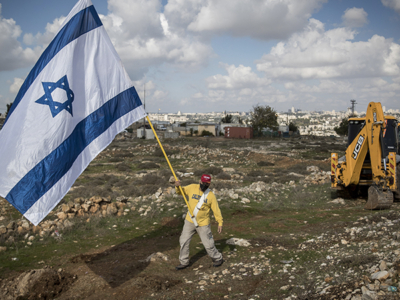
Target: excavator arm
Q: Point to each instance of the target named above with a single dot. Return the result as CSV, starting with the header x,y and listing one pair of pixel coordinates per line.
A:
x,y
349,171
375,120
369,138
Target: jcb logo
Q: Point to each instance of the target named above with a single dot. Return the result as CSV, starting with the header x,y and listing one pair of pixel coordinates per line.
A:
x,y
358,146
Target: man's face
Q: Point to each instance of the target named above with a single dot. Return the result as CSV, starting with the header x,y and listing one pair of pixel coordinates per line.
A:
x,y
205,184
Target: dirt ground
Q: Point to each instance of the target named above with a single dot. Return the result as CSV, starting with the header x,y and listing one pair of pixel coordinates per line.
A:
x,y
122,272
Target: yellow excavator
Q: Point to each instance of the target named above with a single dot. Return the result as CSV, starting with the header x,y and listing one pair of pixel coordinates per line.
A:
x,y
372,161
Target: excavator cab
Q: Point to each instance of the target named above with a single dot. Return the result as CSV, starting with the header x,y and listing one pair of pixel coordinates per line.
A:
x,y
355,126
398,138
391,134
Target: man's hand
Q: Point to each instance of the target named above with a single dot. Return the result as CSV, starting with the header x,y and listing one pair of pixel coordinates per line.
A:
x,y
177,183
219,228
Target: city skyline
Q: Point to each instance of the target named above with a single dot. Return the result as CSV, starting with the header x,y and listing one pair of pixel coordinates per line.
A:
x,y
203,56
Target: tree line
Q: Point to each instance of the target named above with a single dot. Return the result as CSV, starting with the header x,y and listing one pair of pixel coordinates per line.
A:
x,y
262,117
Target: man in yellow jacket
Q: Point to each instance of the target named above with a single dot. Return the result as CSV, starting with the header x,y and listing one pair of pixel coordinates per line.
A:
x,y
201,200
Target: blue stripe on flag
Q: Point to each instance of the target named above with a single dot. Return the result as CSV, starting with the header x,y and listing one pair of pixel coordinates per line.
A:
x,y
83,22
53,167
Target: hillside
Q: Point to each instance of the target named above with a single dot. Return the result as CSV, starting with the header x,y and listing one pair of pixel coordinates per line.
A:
x,y
285,236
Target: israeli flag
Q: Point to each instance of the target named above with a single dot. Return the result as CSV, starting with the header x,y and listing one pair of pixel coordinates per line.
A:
x,y
73,103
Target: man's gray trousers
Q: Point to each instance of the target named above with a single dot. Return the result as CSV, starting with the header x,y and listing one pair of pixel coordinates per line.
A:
x,y
189,229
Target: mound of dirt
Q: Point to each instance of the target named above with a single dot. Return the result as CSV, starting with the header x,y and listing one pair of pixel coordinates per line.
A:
x,y
37,284
156,283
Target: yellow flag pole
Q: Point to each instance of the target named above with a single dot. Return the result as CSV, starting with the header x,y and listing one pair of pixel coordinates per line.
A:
x,y
170,166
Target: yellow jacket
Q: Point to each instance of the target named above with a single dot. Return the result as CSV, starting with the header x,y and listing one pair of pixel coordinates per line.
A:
x,y
194,194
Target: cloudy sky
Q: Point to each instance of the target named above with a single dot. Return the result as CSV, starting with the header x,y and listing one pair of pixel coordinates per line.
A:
x,y
216,55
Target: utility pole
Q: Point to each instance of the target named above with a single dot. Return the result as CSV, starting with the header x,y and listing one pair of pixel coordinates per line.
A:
x,y
353,103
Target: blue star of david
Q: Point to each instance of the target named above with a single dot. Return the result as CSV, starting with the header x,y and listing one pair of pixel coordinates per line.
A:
x,y
47,99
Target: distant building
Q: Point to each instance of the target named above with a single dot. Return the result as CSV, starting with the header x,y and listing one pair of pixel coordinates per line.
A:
x,y
283,128
207,127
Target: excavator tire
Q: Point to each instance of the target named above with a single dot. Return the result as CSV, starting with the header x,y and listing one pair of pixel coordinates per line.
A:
x,y
378,199
396,193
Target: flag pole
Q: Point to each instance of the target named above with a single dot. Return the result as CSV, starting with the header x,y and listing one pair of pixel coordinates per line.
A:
x,y
170,166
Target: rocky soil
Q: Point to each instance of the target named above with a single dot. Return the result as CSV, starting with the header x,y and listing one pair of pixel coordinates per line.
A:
x,y
358,258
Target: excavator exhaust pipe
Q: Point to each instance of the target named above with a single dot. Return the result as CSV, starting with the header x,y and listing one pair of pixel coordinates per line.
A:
x,y
378,199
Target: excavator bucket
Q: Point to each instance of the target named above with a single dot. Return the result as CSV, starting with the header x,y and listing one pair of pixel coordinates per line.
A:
x,y
378,199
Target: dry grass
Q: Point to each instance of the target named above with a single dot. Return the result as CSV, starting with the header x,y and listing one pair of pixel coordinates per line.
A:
x,y
123,154
265,164
158,152
122,167
148,165
154,180
256,173
214,171
224,176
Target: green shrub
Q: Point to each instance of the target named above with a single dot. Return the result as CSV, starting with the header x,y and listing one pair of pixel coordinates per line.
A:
x,y
123,154
224,176
116,159
122,167
218,185
149,189
148,165
154,180
198,173
255,179
131,191
206,133
214,170
256,173
165,173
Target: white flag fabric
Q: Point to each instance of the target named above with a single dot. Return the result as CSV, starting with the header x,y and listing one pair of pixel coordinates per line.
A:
x,y
73,103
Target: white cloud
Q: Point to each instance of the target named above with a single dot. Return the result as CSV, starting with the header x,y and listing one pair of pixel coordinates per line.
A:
x,y
16,85
263,19
159,95
238,78
393,4
355,17
51,30
42,40
146,39
198,96
133,18
141,39
28,39
319,54
13,56
313,68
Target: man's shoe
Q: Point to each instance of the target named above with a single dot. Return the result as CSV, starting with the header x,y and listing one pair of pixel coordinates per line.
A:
x,y
218,263
181,267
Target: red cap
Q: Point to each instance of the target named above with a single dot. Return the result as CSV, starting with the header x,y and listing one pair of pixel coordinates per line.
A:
x,y
206,178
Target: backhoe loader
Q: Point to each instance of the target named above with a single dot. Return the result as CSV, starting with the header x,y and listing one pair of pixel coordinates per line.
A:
x,y
372,161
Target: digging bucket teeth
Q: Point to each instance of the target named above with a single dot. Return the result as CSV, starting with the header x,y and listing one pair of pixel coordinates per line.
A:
x,y
378,199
